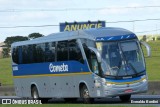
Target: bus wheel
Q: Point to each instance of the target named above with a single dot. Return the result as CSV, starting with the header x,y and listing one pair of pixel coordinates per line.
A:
x,y
84,93
125,98
35,95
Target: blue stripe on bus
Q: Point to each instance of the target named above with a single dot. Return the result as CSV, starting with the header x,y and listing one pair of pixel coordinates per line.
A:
x,y
43,68
124,80
112,38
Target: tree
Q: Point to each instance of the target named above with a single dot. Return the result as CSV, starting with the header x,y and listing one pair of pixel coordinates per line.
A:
x,y
9,40
5,52
34,35
144,38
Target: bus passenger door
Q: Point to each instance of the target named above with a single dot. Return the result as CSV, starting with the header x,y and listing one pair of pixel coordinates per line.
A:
x,y
95,67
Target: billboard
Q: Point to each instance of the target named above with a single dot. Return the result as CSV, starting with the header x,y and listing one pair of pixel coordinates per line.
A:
x,y
80,25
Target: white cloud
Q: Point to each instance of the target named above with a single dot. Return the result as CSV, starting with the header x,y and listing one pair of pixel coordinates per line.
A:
x,y
154,2
30,4
28,16
134,4
150,10
19,18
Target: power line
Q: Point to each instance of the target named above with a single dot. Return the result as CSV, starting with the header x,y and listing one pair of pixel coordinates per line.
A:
x,y
77,9
28,26
58,25
148,31
134,20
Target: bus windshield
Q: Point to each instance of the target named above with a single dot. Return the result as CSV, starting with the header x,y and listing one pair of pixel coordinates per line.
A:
x,y
120,59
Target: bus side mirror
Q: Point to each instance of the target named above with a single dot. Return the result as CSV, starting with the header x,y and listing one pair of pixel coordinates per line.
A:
x,y
147,47
97,54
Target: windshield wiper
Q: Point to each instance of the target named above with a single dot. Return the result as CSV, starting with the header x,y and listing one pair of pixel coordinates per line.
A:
x,y
132,67
140,73
125,59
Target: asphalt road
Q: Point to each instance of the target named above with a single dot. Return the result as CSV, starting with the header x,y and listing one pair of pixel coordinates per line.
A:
x,y
142,99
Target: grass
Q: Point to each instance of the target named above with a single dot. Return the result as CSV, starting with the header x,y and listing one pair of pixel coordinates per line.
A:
x,y
152,63
5,71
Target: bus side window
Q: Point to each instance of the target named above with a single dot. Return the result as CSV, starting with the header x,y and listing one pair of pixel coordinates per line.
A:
x,y
25,54
50,52
74,51
62,51
40,49
30,52
34,54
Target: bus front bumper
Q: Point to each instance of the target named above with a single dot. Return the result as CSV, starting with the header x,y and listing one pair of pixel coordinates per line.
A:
x,y
112,90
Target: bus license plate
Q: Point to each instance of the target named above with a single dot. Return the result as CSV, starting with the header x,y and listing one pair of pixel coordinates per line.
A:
x,y
128,91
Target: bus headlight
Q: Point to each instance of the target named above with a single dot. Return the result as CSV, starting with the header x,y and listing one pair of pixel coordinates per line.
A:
x,y
144,80
109,84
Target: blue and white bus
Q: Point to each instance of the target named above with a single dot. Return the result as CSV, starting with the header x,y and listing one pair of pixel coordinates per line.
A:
x,y
88,64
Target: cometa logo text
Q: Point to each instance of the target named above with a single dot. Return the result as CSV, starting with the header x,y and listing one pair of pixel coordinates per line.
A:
x,y
58,68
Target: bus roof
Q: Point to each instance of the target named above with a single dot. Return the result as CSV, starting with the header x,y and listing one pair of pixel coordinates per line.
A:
x,y
98,34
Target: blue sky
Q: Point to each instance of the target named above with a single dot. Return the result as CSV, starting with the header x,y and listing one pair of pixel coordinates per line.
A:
x,y
32,17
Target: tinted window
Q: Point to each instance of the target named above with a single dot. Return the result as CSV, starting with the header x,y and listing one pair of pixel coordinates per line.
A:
x,y
35,59
40,52
89,43
46,52
25,54
74,51
49,52
35,53
62,51
30,54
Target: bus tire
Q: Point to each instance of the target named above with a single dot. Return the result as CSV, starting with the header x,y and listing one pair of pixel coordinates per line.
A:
x,y
70,100
125,98
84,94
35,95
